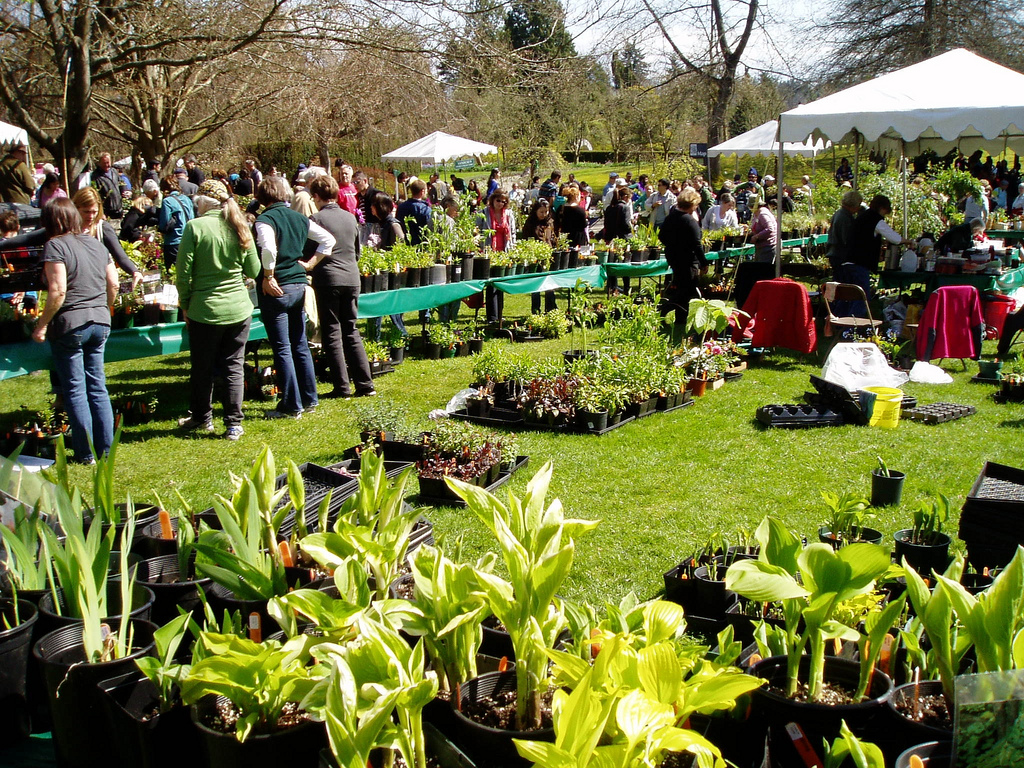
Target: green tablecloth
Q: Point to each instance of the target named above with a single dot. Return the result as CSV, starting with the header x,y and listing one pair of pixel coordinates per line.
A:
x,y
1005,234
169,338
125,344
1010,280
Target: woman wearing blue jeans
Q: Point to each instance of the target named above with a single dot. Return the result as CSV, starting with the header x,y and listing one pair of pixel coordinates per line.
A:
x,y
281,236
81,285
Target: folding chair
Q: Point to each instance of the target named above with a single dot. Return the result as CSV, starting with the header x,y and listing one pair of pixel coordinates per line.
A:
x,y
848,292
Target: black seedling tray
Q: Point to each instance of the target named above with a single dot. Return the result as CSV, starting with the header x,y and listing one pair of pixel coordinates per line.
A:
x,y
938,413
979,379
349,468
318,481
454,501
992,519
840,400
798,416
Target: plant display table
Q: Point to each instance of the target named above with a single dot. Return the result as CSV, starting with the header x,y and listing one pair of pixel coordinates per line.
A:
x,y
1008,281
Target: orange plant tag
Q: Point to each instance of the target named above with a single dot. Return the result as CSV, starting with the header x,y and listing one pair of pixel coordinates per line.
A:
x,y
166,532
503,664
255,628
803,746
916,762
286,554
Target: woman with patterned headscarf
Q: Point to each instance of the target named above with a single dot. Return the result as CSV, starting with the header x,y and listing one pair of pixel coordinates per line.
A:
x,y
217,253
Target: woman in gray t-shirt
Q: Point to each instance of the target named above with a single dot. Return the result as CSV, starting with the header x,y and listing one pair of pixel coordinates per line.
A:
x,y
81,285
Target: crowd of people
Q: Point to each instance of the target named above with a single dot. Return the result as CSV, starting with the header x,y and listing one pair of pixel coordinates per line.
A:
x,y
309,231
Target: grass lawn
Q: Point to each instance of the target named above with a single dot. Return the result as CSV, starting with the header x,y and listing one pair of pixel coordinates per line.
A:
x,y
660,486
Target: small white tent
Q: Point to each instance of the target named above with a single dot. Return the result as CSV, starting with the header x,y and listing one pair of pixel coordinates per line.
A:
x,y
439,147
954,99
11,134
763,140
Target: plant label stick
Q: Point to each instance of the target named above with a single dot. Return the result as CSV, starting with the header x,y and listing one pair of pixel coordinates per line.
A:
x,y
255,630
166,532
803,746
885,657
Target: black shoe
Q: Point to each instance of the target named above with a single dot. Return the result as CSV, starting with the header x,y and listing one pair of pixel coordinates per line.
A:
x,y
366,393
335,394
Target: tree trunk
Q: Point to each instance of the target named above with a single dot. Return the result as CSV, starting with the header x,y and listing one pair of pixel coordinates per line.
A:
x,y
716,120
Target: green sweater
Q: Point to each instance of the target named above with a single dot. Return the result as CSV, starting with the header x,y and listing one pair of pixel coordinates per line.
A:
x,y
211,271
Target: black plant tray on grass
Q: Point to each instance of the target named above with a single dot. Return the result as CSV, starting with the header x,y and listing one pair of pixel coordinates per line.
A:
x,y
318,481
992,519
798,416
938,413
349,468
515,420
451,500
838,399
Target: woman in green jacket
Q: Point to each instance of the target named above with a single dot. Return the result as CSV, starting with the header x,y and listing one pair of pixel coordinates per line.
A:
x,y
217,253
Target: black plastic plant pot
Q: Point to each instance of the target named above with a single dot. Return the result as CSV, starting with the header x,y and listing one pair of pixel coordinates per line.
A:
x,y
712,598
976,583
924,558
15,644
162,576
886,491
680,586
771,706
397,354
151,543
71,683
142,607
299,745
432,351
864,535
481,268
476,346
221,599
934,754
144,515
144,736
440,751
497,643
592,421
482,743
906,732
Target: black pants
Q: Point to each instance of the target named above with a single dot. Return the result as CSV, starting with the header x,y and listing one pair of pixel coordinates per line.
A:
x,y
677,299
494,302
549,302
336,305
170,255
1013,324
220,348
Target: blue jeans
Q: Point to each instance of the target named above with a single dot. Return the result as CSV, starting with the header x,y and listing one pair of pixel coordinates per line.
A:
x,y
78,359
285,321
373,326
858,275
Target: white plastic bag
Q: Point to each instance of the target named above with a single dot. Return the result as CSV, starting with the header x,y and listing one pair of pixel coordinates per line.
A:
x,y
856,366
926,373
458,402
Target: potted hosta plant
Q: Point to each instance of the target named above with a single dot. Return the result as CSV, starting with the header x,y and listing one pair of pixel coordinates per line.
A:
x,y
537,543
246,701
925,546
847,517
814,585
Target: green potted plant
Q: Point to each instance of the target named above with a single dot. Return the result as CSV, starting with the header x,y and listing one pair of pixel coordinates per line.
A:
x,y
925,546
17,620
537,543
848,514
886,485
441,341
394,340
815,586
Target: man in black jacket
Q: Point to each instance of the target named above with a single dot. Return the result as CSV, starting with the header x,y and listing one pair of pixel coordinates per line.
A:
x,y
684,252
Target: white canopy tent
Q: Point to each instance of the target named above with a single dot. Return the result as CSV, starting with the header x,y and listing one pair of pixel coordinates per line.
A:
x,y
763,140
440,147
12,134
956,99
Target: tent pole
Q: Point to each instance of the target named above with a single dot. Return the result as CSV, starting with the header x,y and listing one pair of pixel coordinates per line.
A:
x,y
856,160
903,163
778,208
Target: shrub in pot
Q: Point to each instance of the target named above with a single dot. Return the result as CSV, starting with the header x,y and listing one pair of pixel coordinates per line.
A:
x,y
812,584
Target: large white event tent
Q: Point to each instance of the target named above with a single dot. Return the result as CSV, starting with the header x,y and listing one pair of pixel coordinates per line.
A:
x,y
12,134
439,147
956,99
763,140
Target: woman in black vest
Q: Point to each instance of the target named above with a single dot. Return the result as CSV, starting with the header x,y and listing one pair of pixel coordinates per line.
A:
x,y
281,235
869,228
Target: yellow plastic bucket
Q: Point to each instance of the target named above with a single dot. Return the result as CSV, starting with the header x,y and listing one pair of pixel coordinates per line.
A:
x,y
886,411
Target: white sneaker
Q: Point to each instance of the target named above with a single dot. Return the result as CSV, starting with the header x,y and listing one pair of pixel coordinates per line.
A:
x,y
275,414
187,422
234,433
